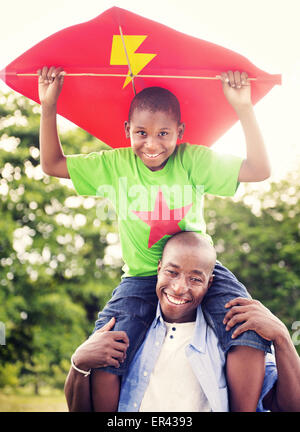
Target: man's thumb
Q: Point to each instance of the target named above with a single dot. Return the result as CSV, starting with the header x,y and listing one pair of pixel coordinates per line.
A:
x,y
108,326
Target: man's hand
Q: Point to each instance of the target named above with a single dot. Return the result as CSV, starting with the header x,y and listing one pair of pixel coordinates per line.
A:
x,y
237,89
254,316
50,85
103,348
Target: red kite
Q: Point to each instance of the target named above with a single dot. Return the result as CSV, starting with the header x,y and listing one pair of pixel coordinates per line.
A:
x,y
118,53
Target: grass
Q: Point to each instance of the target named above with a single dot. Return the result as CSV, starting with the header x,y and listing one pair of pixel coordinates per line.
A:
x,y
23,400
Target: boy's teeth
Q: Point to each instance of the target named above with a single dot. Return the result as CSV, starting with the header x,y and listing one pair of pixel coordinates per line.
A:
x,y
176,300
152,155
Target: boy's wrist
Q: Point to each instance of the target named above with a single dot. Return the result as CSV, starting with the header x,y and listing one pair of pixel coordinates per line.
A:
x,y
244,110
48,110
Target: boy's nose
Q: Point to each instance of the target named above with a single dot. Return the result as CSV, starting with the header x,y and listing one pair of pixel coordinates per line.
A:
x,y
151,145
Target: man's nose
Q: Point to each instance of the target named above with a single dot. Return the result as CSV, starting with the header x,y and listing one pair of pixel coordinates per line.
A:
x,y
179,285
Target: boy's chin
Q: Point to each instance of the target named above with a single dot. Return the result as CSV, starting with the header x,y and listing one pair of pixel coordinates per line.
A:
x,y
155,165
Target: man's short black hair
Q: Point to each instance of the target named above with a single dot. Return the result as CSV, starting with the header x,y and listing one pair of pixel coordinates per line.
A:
x,y
156,99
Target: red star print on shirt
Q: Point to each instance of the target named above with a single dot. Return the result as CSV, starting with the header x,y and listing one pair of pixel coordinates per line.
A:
x,y
162,220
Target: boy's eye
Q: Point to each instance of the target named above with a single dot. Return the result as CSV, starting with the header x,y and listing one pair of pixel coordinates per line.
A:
x,y
141,133
164,133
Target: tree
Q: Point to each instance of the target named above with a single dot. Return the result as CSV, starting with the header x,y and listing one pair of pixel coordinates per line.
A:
x,y
257,238
53,276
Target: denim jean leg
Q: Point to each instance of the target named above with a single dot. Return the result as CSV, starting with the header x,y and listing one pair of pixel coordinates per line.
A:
x,y
226,287
133,304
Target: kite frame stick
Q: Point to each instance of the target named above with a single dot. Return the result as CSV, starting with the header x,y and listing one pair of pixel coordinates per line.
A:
x,y
127,58
133,76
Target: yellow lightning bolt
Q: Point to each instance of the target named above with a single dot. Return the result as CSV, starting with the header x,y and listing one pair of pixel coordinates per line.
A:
x,y
137,61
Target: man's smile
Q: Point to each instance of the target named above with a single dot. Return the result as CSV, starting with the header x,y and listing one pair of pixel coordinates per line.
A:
x,y
176,300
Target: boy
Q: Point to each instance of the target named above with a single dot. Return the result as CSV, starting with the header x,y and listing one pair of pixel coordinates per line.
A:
x,y
160,187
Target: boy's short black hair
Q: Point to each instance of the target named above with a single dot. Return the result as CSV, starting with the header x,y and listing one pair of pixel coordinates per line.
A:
x,y
156,99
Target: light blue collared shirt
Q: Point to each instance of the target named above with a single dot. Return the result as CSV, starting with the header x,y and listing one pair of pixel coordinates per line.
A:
x,y
206,358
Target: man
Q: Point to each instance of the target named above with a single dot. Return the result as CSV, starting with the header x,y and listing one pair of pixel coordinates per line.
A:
x,y
180,366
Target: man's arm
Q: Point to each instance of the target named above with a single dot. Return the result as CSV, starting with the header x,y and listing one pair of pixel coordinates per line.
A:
x,y
285,396
103,348
53,160
245,369
78,392
237,90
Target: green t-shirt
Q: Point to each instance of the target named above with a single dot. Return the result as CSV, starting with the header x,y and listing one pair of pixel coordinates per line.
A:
x,y
153,205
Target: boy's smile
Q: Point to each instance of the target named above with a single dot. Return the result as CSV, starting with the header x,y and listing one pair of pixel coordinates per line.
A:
x,y
153,136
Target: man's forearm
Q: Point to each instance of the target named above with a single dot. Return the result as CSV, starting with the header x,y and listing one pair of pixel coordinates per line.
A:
x,y
78,392
287,393
245,367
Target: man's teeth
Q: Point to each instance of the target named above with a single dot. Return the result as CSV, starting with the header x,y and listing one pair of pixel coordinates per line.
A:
x,y
176,300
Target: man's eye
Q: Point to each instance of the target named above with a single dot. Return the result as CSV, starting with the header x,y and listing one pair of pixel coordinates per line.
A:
x,y
171,272
196,280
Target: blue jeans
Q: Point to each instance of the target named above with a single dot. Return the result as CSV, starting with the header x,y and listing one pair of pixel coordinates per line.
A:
x,y
134,302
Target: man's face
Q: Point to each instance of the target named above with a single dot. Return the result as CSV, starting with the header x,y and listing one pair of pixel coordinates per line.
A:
x,y
184,276
153,136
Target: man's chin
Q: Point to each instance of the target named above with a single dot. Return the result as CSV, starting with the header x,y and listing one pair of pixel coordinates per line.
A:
x,y
177,312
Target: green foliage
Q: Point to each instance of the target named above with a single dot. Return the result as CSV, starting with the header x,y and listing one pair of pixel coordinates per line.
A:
x,y
53,279
257,238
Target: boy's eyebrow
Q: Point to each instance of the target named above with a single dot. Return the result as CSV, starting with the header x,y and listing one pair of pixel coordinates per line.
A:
x,y
143,127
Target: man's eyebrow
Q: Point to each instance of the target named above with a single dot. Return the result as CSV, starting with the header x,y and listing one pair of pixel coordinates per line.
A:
x,y
172,265
197,272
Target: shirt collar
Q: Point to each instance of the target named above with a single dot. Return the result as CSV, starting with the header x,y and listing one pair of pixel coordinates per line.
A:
x,y
199,337
158,317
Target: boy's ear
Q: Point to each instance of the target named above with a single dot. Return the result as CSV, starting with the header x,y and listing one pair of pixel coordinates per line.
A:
x,y
127,129
181,129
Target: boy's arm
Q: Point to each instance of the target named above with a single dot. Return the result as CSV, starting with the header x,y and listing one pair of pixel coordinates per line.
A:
x,y
53,160
285,395
237,90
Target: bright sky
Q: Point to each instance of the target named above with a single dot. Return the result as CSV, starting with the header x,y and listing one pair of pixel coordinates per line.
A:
x,y
267,32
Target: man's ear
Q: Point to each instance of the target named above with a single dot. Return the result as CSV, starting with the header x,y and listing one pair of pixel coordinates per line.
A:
x,y
159,266
127,129
211,279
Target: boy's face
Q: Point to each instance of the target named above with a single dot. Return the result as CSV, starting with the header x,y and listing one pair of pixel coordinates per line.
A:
x,y
184,276
153,136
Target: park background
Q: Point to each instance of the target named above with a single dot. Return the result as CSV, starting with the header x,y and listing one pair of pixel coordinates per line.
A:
x,y
59,261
